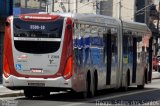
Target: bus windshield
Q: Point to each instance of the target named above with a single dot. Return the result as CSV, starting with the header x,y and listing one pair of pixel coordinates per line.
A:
x,y
37,37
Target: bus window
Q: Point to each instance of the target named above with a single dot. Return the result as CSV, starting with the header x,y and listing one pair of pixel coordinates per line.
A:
x,y
130,49
76,31
109,56
125,49
37,37
136,56
81,44
87,44
114,43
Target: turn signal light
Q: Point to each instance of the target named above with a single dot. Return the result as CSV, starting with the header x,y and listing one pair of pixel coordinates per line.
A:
x,y
6,70
68,68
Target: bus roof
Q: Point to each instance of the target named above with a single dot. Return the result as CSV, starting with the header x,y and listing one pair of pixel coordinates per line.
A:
x,y
100,20
136,26
107,20
91,18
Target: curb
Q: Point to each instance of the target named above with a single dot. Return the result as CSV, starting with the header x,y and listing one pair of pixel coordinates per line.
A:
x,y
155,78
11,95
155,75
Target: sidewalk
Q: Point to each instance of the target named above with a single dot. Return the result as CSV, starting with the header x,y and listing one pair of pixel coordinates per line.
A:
x,y
4,92
155,75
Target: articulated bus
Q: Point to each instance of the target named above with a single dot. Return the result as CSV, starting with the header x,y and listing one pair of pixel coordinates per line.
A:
x,y
82,53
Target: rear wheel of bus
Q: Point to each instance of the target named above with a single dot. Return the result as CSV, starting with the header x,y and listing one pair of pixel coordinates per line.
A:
x,y
143,81
142,85
46,93
87,92
28,93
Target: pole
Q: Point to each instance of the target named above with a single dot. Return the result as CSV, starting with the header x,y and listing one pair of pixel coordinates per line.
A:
x,y
119,10
25,3
53,6
81,6
68,5
75,6
145,13
50,6
157,28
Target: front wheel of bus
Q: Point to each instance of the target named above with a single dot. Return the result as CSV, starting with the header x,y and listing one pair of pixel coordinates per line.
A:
x,y
28,93
127,80
94,85
83,94
143,84
86,93
46,94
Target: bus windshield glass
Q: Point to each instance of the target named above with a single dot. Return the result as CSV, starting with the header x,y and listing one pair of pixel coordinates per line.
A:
x,y
46,29
37,37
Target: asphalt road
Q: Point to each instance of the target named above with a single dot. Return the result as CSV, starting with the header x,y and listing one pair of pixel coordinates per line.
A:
x,y
134,97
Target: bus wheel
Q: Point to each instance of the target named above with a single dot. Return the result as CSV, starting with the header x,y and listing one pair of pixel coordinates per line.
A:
x,y
28,93
46,94
92,88
95,81
83,95
87,92
125,88
143,84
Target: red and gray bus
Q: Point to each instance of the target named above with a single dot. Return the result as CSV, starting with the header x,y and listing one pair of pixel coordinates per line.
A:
x,y
84,53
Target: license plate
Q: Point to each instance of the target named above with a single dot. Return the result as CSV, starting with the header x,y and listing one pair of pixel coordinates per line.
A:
x,y
36,70
36,84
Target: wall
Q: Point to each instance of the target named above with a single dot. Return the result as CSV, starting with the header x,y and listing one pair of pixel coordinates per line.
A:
x,y
127,9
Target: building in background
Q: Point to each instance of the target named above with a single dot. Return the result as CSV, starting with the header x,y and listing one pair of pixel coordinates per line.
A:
x,y
104,7
76,6
29,6
5,11
124,9
115,8
156,25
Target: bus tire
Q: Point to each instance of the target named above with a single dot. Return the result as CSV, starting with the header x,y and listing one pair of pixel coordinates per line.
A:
x,y
82,95
87,92
88,84
92,86
95,82
46,94
143,83
127,82
28,94
146,77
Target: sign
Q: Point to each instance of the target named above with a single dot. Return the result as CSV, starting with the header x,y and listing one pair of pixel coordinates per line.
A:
x,y
37,17
18,66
